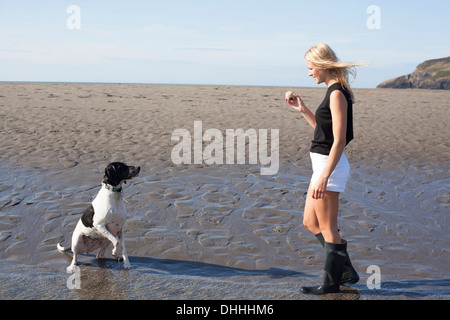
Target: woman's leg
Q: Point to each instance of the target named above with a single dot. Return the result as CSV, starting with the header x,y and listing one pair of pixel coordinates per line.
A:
x,y
309,216
326,212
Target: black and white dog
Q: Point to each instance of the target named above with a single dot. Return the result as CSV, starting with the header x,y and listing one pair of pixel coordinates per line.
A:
x,y
103,220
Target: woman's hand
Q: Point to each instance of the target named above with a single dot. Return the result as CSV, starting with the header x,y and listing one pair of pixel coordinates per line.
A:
x,y
297,103
318,190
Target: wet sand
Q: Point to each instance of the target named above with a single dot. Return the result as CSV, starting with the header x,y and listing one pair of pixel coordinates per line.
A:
x,y
220,231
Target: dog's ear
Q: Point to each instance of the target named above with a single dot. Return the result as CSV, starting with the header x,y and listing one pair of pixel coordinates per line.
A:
x,y
116,172
111,175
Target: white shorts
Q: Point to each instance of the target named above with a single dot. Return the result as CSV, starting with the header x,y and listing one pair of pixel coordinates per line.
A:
x,y
338,178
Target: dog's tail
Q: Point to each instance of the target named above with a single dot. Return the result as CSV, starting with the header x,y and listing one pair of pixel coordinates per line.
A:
x,y
61,248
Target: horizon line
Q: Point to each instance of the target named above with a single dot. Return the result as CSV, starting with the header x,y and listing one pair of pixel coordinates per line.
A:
x,y
169,84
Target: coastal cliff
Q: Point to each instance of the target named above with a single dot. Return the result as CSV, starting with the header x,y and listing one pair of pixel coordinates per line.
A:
x,y
431,74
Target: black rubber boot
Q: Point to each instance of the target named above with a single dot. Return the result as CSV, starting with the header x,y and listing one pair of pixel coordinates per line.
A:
x,y
350,275
334,267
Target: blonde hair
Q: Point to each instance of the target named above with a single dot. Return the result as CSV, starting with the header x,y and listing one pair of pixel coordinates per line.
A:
x,y
323,57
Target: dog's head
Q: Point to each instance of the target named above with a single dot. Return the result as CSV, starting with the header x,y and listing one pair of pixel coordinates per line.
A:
x,y
118,172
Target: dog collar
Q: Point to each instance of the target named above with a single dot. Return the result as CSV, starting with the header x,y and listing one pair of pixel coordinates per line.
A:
x,y
113,189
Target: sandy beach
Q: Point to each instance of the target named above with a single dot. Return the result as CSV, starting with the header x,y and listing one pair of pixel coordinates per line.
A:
x,y
219,231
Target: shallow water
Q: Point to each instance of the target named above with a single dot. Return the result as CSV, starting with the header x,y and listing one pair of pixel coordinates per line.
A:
x,y
225,232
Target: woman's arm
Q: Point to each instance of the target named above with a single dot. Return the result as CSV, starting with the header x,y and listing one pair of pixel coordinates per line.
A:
x,y
298,105
338,107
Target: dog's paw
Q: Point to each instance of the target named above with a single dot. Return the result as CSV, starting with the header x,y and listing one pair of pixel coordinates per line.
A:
x,y
114,252
126,265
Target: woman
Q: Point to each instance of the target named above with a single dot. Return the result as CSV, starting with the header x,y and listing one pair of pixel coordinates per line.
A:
x,y
333,130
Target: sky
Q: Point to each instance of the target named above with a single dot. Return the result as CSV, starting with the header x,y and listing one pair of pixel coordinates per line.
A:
x,y
260,43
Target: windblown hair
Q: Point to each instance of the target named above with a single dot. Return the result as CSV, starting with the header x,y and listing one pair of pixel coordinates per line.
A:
x,y
323,57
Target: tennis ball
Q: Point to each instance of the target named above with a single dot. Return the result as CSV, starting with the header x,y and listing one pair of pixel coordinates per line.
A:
x,y
290,96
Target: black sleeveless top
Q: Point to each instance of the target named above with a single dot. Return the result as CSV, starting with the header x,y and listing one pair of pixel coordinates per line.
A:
x,y
323,134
